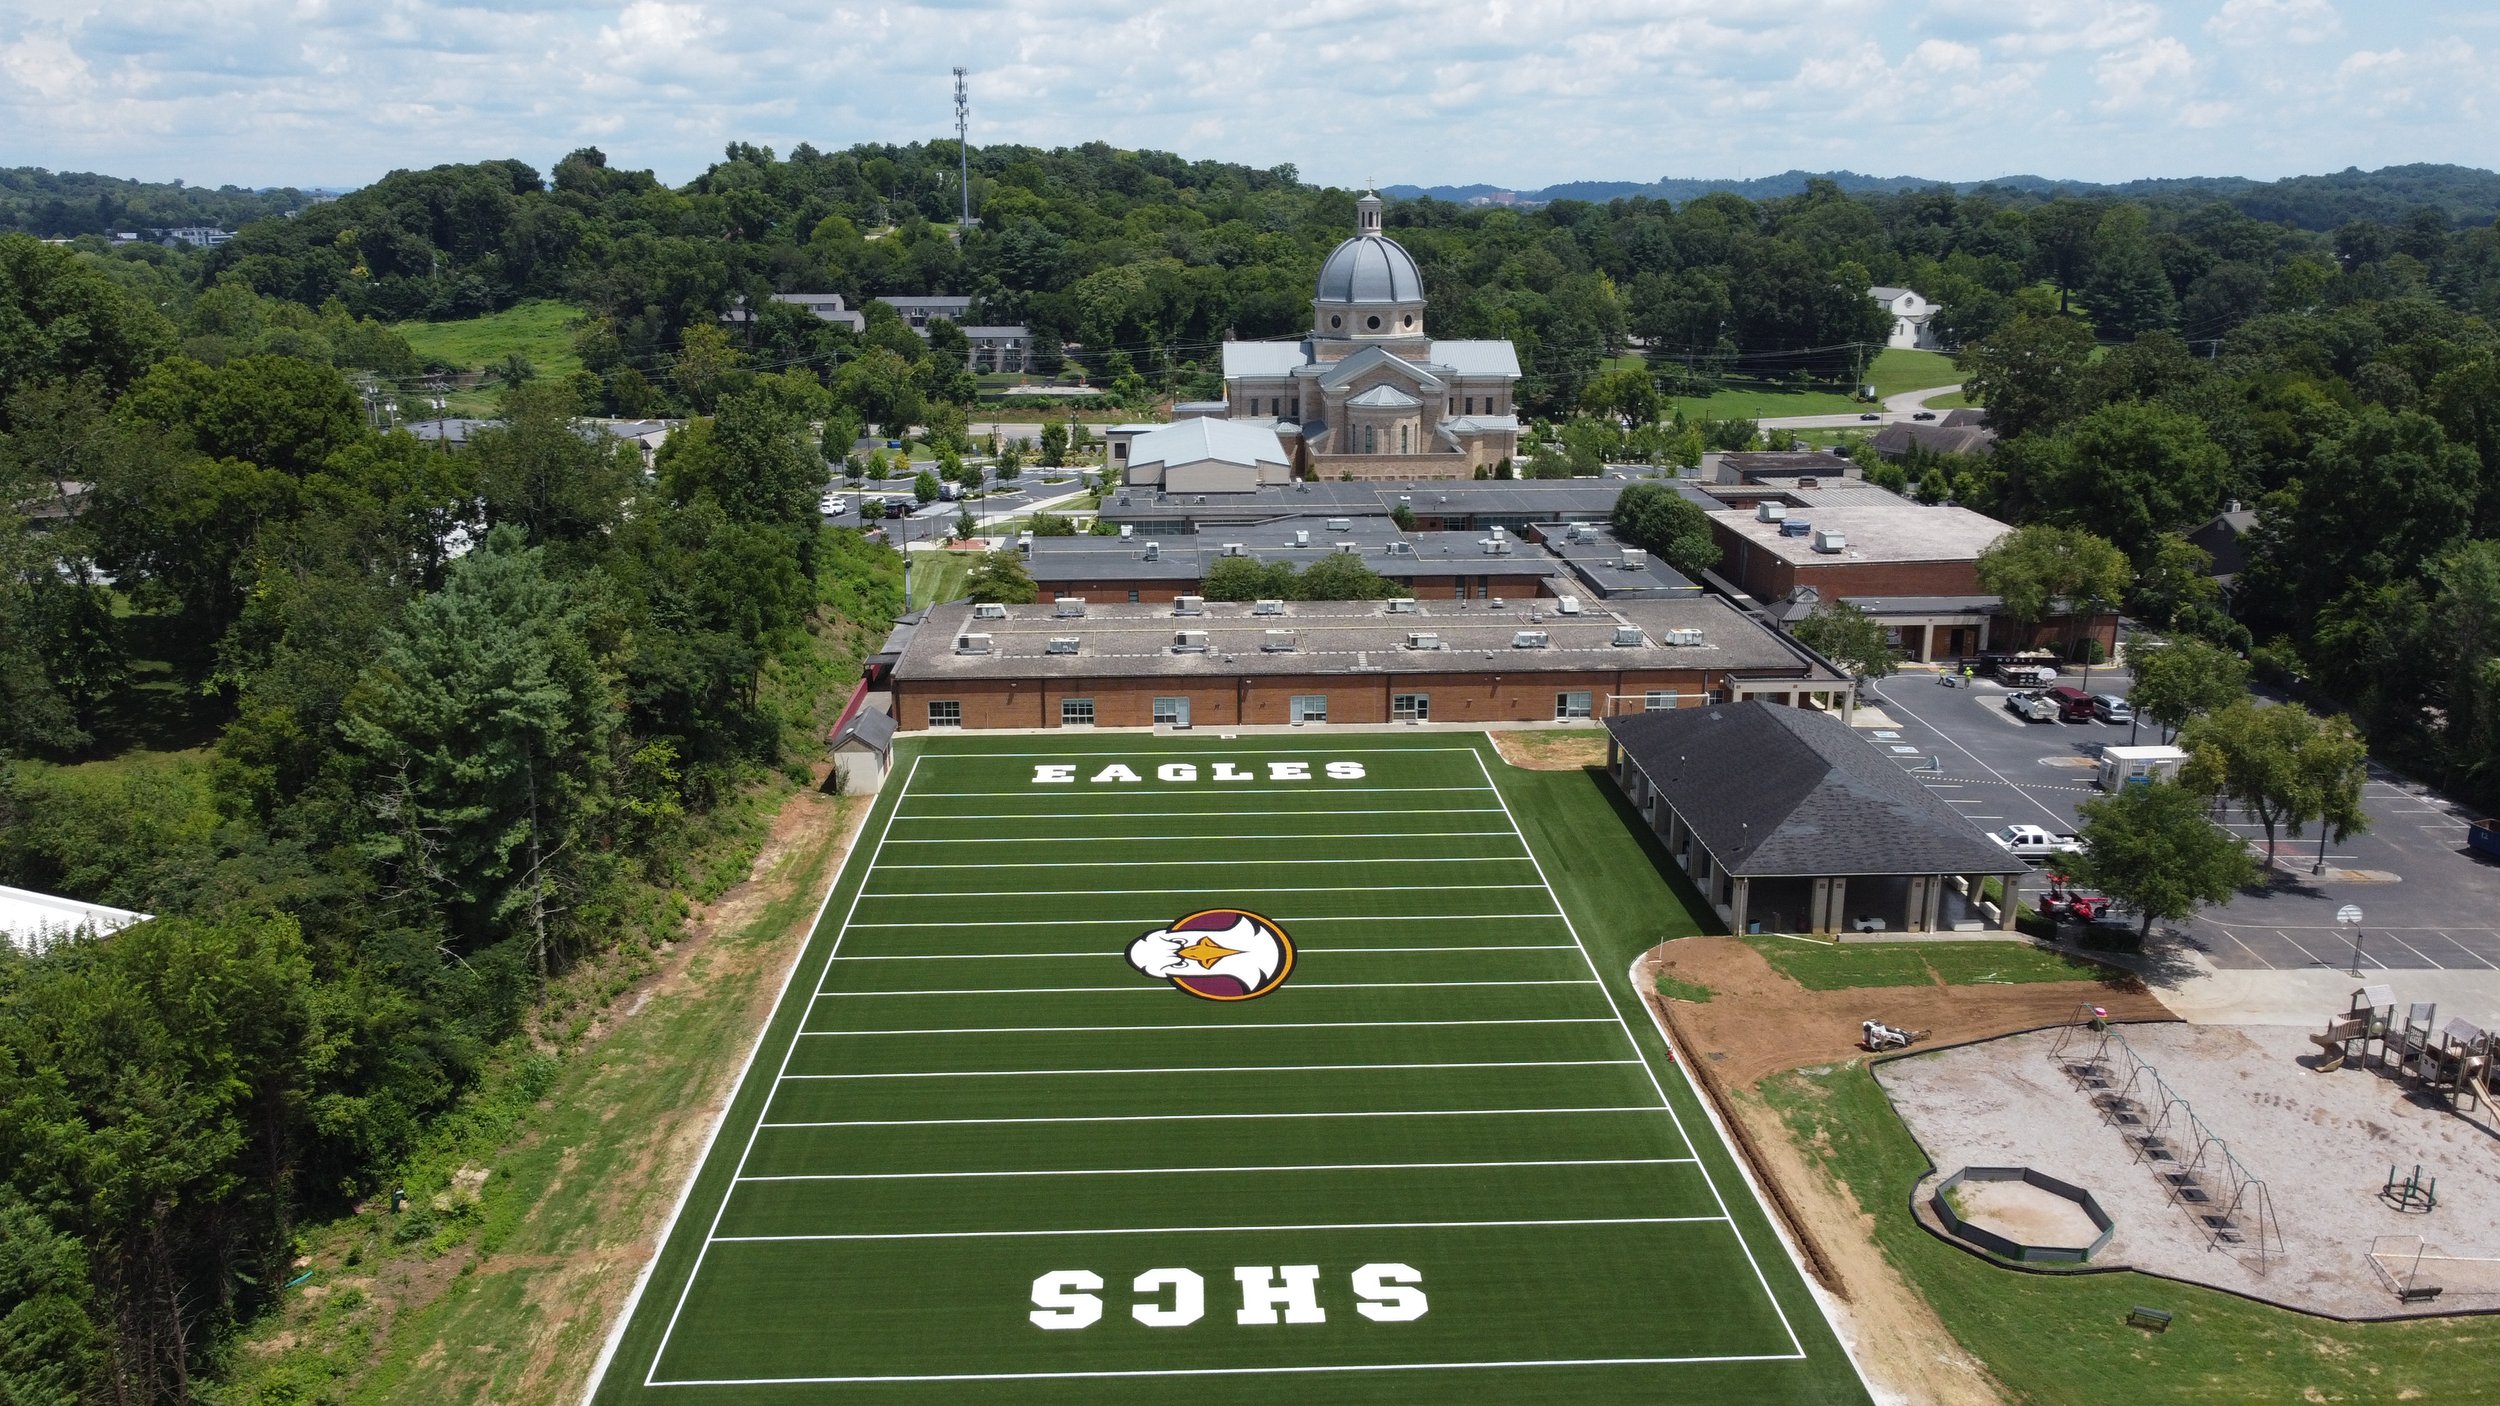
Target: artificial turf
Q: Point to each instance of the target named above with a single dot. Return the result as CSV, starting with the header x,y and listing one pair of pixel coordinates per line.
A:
x,y
967,1088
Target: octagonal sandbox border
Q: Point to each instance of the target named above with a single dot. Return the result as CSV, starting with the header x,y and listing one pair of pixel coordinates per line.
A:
x,y
2006,1248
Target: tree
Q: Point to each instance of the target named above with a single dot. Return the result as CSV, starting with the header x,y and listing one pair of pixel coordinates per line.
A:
x,y
514,371
2153,849
535,472
966,524
2183,680
1054,444
1342,576
2129,472
924,486
63,318
2175,583
2026,373
1000,577
2284,765
1247,578
1850,637
705,361
1624,395
1404,517
1656,518
2039,570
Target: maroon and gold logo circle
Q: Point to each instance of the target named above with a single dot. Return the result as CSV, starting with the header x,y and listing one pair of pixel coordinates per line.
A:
x,y
1220,954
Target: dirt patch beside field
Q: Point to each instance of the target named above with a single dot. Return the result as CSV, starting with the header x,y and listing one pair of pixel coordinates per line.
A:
x,y
1551,751
1759,1022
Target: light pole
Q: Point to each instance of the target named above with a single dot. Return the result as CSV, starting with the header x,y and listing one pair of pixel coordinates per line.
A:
x,y
2350,916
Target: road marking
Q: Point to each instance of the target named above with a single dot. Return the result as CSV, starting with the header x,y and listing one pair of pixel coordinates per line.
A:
x,y
2488,965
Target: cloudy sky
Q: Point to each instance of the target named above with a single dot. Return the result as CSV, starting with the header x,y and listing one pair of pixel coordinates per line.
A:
x,y
1510,92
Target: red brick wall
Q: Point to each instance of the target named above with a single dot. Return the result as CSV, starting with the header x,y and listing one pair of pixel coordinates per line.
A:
x,y
1455,698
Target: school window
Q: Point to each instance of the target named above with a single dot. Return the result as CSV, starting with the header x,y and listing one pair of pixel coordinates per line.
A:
x,y
1658,701
1132,597
1410,707
1171,712
1572,705
948,713
1308,708
1076,712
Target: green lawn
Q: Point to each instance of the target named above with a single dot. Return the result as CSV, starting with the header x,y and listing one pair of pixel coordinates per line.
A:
x,y
938,576
1898,369
539,329
1746,403
2054,1340
982,1157
1829,966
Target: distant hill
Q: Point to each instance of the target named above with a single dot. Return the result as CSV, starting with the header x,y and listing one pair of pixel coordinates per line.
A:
x,y
64,204
2467,195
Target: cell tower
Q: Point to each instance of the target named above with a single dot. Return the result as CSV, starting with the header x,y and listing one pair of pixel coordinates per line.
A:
x,y
963,152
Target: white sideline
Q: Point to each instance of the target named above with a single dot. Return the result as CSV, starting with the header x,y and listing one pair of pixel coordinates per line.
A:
x,y
1166,917
1149,989
1209,1229
1203,1117
1096,954
1124,814
1293,859
1243,1371
1322,750
1208,1171
642,1278
1193,839
1085,893
1201,1027
1310,788
1222,1069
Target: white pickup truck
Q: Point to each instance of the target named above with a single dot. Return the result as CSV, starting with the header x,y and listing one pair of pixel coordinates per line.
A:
x,y
2033,842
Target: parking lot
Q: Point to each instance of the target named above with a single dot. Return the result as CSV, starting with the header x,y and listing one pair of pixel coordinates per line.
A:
x,y
2425,901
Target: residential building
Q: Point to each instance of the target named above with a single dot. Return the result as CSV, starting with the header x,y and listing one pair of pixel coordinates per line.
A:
x,y
1911,316
197,236
1896,440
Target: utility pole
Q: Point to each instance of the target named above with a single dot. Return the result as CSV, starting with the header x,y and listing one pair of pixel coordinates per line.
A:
x,y
963,152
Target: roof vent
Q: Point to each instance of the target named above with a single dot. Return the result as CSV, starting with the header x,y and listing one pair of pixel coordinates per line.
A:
x,y
1128,530
1495,604
1064,644
1423,639
1341,524
1024,543
1189,642
1154,551
1277,642
1831,539
1770,512
1572,533
1069,607
1796,527
1629,637
1402,605
1528,639
1301,537
1189,605
1809,483
972,644
1235,549
1686,639
1635,559
1349,546
1401,549
989,610
1568,605
1267,607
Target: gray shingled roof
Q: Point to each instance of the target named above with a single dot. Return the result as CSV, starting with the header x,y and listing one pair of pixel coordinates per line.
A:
x,y
1774,791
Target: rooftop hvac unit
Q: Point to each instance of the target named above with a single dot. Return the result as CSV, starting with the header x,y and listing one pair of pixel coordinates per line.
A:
x,y
1402,605
1189,642
1796,527
1423,640
1410,498
1069,607
1064,644
1809,483
1401,549
1154,551
1496,604
989,610
1301,537
1831,539
1267,607
1277,642
1770,512
1350,547
1341,524
1024,543
1500,532
1635,559
1682,638
1572,533
1235,549
1189,605
1629,636
1128,529
1528,639
1568,605
972,644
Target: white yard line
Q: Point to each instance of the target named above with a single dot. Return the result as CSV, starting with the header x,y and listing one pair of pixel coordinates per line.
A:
x,y
1202,1117
1211,1171
1243,1371
1211,1229
1258,888
1225,814
1226,1069
1303,948
1294,859
1167,836
1204,1028
1314,787
1146,988
1166,917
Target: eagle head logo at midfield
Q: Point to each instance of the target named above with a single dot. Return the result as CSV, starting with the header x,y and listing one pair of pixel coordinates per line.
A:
x,y
1222,954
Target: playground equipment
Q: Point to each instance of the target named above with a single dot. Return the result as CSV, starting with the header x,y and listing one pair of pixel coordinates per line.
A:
x,y
2365,1022
2452,1062
2415,1271
2411,1194
1875,1036
2199,1173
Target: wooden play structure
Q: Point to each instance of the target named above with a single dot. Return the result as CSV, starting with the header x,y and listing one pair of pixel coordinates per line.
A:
x,y
2228,1203
2451,1061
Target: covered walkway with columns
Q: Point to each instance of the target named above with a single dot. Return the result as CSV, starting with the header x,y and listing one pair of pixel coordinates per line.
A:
x,y
1786,819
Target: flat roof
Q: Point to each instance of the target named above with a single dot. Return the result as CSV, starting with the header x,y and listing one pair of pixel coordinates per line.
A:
x,y
1185,557
1526,499
1596,561
1345,637
1907,532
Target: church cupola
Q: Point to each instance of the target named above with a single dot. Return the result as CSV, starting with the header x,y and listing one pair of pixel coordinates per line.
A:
x,y
1369,289
1367,213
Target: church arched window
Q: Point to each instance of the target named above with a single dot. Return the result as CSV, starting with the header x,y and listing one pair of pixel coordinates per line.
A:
x,y
1402,449
1369,447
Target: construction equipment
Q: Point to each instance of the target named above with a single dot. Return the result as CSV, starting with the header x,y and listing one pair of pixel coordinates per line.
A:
x,y
1875,1036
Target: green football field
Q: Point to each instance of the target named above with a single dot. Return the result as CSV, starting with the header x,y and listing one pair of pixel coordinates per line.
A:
x,y
979,1156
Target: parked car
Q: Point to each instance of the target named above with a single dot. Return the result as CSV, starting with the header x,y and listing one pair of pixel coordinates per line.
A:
x,y
2031,707
2110,708
2034,843
2073,704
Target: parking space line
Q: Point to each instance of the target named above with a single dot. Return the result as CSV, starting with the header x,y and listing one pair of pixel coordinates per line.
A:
x,y
2488,964
2313,957
2055,819
2234,935
2418,952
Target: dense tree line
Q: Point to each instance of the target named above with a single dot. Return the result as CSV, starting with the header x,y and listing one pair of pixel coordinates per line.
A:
x,y
66,204
463,715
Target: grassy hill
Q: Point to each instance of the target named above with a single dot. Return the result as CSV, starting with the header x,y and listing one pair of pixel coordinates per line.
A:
x,y
540,330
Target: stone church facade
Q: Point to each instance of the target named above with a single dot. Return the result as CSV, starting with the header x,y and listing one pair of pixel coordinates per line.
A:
x,y
1368,394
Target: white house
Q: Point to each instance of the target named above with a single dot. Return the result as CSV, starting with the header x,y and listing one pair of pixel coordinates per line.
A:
x,y
34,921
1910,315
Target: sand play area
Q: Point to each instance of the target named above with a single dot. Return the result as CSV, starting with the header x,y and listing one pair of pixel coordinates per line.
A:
x,y
2314,1148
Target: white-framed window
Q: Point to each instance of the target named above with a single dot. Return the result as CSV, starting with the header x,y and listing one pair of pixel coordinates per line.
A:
x,y
1076,712
1658,700
1171,712
1132,597
1307,708
1573,705
1410,707
946,712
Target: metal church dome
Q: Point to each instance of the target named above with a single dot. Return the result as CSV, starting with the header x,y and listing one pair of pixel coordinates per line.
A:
x,y
1370,268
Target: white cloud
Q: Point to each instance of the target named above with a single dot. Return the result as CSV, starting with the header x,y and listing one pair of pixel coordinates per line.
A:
x,y
2273,21
2157,71
45,65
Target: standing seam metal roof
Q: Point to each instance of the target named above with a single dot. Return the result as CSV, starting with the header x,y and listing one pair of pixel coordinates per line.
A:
x,y
1370,268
